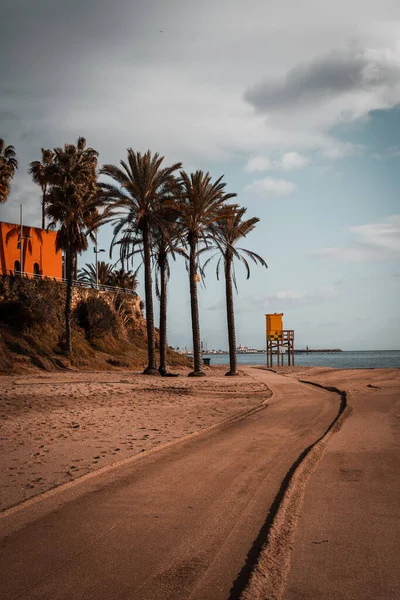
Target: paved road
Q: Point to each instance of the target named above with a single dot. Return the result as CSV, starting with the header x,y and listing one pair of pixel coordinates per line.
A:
x,y
176,524
348,539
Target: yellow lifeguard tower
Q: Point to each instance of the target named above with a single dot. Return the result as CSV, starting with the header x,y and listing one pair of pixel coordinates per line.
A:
x,y
280,342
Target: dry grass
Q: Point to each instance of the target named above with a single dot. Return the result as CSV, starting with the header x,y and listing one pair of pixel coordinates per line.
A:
x,y
32,332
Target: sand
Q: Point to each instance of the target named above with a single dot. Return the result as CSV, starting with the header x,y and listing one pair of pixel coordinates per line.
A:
x,y
56,427
340,537
174,523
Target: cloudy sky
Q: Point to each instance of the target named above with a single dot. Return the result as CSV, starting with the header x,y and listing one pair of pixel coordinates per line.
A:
x,y
296,102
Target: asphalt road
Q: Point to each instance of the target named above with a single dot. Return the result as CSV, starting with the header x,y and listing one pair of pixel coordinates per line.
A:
x,y
176,524
348,537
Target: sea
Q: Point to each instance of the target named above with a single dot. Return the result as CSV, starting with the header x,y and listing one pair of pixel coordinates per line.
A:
x,y
367,359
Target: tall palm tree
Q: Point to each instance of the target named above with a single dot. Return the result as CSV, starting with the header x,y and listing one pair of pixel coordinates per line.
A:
x,y
200,201
165,246
73,203
227,230
39,172
8,166
166,242
135,199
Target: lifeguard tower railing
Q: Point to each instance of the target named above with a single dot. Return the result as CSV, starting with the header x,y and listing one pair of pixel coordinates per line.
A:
x,y
280,346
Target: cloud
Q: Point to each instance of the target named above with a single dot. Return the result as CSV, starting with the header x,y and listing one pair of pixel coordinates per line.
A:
x,y
288,161
258,163
302,297
345,254
374,241
293,160
353,80
291,299
27,194
391,152
183,93
341,150
269,185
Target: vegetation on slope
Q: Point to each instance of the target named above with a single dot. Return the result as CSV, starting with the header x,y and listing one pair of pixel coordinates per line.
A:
x,y
108,330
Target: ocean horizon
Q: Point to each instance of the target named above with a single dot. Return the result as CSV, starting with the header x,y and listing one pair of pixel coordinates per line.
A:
x,y
347,359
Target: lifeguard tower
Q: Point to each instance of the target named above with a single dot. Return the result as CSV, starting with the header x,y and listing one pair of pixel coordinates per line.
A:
x,y
280,342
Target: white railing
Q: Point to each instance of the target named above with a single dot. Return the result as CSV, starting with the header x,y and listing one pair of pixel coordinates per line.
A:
x,y
75,283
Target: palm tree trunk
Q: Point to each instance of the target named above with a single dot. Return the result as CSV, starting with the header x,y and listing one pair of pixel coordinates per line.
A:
x,y
230,315
163,316
68,300
75,267
43,207
151,368
194,306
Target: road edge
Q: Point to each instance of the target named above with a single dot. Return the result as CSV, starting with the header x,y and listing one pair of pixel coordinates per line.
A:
x,y
267,580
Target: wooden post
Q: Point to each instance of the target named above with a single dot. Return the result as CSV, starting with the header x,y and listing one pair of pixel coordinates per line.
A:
x,y
293,350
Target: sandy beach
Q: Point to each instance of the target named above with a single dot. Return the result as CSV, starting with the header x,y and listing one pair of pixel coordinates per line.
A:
x,y
340,539
56,427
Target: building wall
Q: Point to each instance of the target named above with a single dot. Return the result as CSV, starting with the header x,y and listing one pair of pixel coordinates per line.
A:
x,y
39,249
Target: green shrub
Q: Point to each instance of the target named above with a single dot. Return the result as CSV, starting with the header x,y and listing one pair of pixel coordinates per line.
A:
x,y
25,302
96,317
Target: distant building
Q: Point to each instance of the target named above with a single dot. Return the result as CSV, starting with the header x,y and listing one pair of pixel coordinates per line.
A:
x,y
39,257
246,350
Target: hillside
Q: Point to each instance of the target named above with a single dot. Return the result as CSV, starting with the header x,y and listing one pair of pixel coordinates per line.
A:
x,y
108,329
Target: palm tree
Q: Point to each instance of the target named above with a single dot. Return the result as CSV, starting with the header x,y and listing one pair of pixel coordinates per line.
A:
x,y
8,166
73,203
107,275
135,200
199,204
103,275
39,172
132,244
226,233
163,246
166,243
123,279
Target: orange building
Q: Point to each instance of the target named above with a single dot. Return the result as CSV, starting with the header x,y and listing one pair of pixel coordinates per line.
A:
x,y
39,256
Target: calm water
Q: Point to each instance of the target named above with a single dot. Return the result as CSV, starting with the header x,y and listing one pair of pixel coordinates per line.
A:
x,y
372,359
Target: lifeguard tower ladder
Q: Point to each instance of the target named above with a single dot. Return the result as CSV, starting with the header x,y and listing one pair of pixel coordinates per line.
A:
x,y
280,342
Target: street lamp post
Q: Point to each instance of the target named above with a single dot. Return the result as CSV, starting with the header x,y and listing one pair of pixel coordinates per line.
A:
x,y
21,239
96,251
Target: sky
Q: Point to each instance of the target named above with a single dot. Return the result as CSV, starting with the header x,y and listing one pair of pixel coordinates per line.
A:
x,y
296,102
